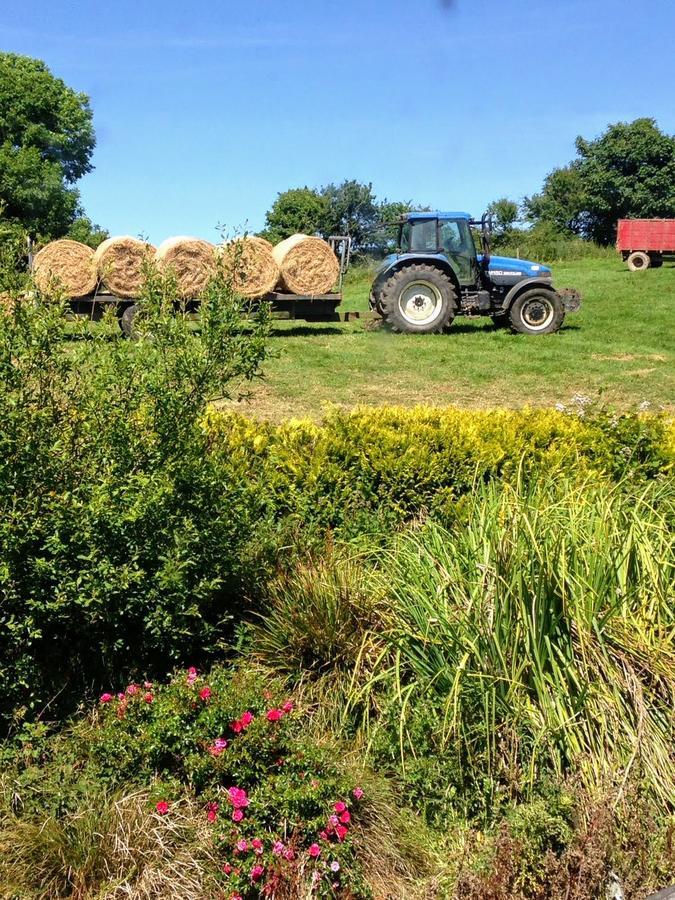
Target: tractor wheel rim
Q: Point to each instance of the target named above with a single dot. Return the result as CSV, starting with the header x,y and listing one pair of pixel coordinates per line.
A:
x,y
538,313
638,262
420,303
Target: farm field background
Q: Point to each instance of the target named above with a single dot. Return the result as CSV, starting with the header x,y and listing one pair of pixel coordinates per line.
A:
x,y
618,349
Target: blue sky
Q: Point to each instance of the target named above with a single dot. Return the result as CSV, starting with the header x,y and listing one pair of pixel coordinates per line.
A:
x,y
205,111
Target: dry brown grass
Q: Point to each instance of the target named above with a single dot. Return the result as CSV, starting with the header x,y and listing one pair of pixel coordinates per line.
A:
x,y
117,849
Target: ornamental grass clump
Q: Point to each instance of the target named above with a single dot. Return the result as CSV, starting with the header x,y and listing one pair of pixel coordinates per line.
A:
x,y
544,626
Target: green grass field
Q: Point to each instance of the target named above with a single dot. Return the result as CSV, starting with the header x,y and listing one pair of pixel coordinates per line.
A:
x,y
619,349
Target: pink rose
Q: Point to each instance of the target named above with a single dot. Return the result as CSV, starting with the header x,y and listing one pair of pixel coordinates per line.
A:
x,y
205,693
162,807
211,811
121,696
237,797
106,698
333,820
191,675
242,846
257,845
257,873
314,851
148,697
246,718
345,818
132,689
339,807
358,793
217,747
277,848
227,868
289,854
147,685
274,715
237,815
341,832
335,866
236,726
288,706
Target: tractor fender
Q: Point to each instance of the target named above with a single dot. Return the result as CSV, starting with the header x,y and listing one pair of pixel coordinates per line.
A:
x,y
411,259
524,285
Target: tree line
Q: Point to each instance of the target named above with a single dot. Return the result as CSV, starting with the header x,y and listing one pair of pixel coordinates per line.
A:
x,y
47,140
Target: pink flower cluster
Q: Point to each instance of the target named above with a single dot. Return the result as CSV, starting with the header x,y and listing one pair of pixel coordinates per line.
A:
x,y
218,746
273,715
239,801
123,697
338,822
242,723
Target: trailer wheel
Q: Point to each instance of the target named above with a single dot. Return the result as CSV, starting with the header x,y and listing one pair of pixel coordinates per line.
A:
x,y
537,311
656,260
418,299
638,261
126,320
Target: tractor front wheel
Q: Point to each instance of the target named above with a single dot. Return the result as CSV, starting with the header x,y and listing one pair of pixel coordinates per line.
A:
x,y
418,299
537,311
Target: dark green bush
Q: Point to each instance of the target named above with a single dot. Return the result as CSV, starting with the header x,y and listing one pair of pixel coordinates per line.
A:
x,y
120,537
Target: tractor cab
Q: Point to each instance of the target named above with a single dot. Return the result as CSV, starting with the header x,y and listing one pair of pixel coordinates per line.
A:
x,y
445,234
436,273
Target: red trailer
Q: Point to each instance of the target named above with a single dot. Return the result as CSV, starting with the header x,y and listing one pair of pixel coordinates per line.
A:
x,y
644,242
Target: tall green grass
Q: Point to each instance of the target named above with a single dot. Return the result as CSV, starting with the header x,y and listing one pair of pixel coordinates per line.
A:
x,y
545,625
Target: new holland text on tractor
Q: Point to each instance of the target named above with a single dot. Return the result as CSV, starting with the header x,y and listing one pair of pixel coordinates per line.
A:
x,y
437,274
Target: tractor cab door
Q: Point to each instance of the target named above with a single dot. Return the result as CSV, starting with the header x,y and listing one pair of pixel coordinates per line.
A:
x,y
456,242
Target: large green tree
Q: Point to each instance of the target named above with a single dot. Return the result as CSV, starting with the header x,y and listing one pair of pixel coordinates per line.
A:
x,y
296,211
46,143
629,171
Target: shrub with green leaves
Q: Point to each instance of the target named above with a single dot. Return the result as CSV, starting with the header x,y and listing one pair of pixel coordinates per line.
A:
x,y
120,534
281,809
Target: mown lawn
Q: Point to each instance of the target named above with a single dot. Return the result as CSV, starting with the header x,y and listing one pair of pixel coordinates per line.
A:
x,y
619,349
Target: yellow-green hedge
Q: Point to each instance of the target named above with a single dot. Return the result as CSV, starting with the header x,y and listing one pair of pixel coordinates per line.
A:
x,y
398,463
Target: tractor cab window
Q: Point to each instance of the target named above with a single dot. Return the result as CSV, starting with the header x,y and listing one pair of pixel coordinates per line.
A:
x,y
451,238
419,237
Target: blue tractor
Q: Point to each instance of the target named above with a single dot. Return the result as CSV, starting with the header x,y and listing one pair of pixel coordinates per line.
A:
x,y
437,274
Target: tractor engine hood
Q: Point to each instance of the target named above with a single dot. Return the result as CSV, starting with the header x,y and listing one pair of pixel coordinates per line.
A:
x,y
505,265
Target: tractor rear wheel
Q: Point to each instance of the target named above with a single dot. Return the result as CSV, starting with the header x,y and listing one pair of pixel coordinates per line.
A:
x,y
638,261
418,299
537,311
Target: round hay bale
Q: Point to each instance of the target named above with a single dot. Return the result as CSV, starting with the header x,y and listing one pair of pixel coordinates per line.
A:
x,y
307,265
66,266
251,265
192,262
119,263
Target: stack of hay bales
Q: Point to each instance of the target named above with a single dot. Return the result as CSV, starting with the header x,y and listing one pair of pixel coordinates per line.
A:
x,y
250,263
120,264
299,265
191,261
307,265
66,267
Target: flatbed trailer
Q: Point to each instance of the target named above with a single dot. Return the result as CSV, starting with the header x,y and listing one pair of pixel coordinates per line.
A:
x,y
309,308
306,308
